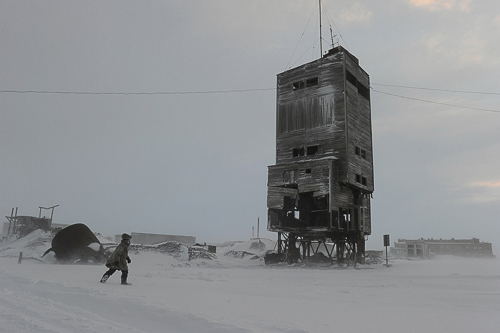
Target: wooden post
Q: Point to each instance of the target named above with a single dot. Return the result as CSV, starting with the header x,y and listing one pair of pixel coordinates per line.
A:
x,y
20,258
14,226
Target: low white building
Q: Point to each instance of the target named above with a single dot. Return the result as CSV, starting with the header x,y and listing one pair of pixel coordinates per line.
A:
x,y
150,239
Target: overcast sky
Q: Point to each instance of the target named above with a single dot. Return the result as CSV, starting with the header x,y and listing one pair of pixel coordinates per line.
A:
x,y
196,164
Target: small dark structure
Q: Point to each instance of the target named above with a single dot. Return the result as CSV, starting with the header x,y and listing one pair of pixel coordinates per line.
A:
x,y
23,225
77,243
320,188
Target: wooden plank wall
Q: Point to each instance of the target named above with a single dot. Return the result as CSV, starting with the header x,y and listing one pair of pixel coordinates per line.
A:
x,y
333,115
317,181
359,131
312,115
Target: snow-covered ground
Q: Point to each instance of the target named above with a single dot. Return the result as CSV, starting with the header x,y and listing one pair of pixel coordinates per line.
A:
x,y
233,294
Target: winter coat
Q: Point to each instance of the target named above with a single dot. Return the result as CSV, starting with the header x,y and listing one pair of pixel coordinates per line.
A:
x,y
118,260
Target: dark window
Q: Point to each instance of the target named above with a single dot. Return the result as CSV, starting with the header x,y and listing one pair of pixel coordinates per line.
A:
x,y
312,82
364,91
351,78
298,85
362,180
312,150
363,153
298,151
308,170
358,178
360,152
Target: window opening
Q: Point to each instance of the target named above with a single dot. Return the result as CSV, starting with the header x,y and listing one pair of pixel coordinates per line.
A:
x,y
298,152
298,85
351,78
290,177
312,82
360,152
312,150
364,91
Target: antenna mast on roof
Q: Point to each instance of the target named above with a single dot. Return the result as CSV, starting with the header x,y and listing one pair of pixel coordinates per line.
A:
x,y
331,36
320,36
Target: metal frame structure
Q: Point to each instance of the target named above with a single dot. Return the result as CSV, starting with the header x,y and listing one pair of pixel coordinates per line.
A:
x,y
342,251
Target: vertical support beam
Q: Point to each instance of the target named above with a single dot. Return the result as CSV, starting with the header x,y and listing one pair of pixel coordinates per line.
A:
x,y
340,251
10,221
279,243
361,248
14,227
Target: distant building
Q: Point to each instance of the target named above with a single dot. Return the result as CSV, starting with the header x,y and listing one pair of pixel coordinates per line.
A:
x,y
56,226
150,239
424,248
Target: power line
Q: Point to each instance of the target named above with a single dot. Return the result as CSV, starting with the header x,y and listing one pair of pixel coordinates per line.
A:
x,y
218,91
301,38
303,54
247,90
436,89
131,93
432,102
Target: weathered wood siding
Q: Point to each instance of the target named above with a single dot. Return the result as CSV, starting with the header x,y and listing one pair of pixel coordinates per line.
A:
x,y
323,146
367,220
276,196
309,176
359,128
313,115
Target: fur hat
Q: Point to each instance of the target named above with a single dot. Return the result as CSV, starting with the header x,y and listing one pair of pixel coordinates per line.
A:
x,y
126,236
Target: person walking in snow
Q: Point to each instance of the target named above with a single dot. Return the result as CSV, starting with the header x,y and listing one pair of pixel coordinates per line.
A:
x,y
118,260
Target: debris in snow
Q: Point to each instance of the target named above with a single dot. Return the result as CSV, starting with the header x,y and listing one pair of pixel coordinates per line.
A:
x,y
238,254
256,248
199,252
274,258
319,258
175,249
172,248
71,245
373,257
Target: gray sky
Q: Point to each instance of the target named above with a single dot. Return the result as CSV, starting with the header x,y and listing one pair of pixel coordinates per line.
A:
x,y
196,164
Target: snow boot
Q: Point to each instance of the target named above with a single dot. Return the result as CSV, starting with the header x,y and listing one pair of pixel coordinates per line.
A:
x,y
104,278
125,283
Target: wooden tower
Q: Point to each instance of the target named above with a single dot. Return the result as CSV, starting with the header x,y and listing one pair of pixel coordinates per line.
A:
x,y
320,188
